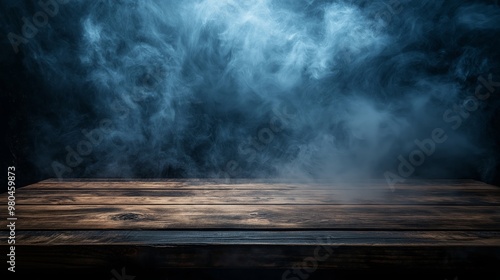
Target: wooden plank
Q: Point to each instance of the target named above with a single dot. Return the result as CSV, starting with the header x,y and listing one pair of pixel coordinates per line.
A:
x,y
209,181
257,256
279,217
45,251
249,237
244,196
82,225
251,184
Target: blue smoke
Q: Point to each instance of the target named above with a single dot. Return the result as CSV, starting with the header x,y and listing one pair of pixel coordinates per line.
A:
x,y
227,88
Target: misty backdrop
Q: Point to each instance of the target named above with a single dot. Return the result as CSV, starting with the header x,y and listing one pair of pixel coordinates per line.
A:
x,y
347,89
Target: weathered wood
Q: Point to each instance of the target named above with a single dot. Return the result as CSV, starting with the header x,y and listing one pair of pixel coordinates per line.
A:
x,y
257,217
258,256
259,249
252,237
257,184
101,224
250,249
244,196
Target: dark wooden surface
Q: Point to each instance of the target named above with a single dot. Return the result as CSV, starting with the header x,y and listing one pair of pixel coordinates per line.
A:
x,y
431,225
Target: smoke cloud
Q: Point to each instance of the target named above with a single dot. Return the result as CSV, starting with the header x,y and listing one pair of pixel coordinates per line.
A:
x,y
262,88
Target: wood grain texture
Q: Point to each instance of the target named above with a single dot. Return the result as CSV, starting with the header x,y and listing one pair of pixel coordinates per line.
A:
x,y
253,184
258,256
84,224
244,196
257,217
253,237
259,249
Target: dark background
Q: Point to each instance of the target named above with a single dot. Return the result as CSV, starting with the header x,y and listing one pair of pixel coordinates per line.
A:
x,y
192,108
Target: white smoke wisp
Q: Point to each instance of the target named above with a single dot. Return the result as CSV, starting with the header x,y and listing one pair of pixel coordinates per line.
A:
x,y
310,89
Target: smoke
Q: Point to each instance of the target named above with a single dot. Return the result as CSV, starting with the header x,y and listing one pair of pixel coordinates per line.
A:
x,y
227,88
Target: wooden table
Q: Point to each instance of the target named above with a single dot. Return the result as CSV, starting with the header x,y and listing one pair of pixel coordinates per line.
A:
x,y
293,230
